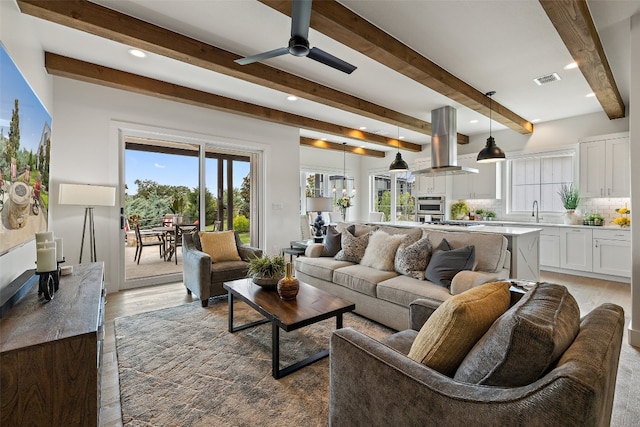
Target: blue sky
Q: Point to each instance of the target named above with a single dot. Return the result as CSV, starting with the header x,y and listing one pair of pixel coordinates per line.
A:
x,y
32,114
168,169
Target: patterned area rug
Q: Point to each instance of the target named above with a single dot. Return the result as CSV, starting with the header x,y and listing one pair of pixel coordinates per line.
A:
x,y
181,367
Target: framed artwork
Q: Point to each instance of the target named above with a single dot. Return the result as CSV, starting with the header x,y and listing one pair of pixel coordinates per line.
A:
x,y
25,145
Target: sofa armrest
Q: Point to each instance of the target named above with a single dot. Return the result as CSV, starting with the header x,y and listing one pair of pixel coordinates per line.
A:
x,y
420,310
247,252
314,250
468,279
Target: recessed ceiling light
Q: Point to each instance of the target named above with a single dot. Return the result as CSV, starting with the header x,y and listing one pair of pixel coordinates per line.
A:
x,y
292,98
590,95
401,137
137,53
362,146
474,121
535,120
571,66
363,128
324,139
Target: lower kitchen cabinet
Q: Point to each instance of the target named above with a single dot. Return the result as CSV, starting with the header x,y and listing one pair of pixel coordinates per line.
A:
x,y
575,249
612,252
550,247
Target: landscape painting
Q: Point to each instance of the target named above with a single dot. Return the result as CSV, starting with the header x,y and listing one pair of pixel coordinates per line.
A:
x,y
25,144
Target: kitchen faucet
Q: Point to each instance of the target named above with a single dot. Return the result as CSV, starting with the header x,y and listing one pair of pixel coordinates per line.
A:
x,y
534,211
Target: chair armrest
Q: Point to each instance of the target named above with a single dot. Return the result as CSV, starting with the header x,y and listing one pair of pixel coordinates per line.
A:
x,y
196,271
314,250
468,279
247,252
370,382
420,310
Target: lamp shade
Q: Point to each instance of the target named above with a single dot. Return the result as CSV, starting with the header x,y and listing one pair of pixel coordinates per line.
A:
x,y
87,195
319,204
491,153
398,165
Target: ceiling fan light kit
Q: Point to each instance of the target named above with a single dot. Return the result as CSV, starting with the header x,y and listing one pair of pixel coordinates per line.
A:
x,y
491,152
299,42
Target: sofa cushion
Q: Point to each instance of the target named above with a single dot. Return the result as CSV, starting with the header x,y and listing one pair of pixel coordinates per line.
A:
x,y
381,250
355,229
525,341
360,278
353,247
413,233
320,268
228,270
403,290
220,245
446,263
401,341
491,249
455,326
412,257
332,242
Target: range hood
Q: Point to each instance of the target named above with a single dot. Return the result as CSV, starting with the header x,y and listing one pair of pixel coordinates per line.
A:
x,y
444,148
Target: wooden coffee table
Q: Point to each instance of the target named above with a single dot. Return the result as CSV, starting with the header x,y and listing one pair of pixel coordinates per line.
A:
x,y
310,306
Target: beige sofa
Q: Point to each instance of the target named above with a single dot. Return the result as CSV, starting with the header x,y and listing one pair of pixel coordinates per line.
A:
x,y
384,296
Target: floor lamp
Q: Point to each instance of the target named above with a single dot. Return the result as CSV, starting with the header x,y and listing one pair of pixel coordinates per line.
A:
x,y
88,196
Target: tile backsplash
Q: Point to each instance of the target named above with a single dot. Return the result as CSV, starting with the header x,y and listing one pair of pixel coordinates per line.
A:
x,y
604,206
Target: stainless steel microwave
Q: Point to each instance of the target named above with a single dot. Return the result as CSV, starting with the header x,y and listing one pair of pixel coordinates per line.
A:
x,y
430,205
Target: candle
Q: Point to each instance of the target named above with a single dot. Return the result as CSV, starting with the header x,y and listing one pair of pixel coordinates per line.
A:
x,y
59,253
46,260
45,236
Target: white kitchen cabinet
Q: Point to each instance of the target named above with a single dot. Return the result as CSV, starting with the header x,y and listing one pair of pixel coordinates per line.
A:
x,y
605,168
483,185
612,252
429,184
575,249
550,247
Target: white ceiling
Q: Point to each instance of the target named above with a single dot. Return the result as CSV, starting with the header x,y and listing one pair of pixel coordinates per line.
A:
x,y
499,45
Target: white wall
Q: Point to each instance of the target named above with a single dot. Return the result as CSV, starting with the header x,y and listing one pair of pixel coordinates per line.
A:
x,y
87,150
18,37
634,131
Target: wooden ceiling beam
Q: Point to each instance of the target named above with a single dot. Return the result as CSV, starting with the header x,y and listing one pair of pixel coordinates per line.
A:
x,y
92,73
326,145
574,24
101,21
341,24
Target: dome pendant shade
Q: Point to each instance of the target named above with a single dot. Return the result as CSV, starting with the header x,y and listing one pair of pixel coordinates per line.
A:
x,y
398,165
491,152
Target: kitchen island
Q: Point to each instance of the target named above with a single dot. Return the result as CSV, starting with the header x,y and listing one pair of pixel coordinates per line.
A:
x,y
523,243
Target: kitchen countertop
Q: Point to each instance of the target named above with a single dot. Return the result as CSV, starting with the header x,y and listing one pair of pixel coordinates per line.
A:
x,y
480,227
549,224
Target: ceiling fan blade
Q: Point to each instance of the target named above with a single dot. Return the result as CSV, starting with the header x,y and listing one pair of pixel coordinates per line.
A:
x,y
262,56
300,18
330,60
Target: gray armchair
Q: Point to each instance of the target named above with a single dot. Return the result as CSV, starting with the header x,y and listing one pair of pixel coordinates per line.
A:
x,y
204,278
375,384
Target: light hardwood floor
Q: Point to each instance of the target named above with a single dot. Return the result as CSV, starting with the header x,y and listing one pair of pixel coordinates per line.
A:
x,y
588,292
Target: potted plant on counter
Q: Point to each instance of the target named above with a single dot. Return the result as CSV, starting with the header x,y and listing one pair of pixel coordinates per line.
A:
x,y
459,210
570,200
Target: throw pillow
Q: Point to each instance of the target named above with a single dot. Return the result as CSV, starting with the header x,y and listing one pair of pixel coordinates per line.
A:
x,y
525,341
332,242
352,247
446,263
220,245
381,250
455,326
412,257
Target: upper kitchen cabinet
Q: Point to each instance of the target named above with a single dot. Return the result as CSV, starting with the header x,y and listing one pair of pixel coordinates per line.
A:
x,y
604,166
429,184
483,185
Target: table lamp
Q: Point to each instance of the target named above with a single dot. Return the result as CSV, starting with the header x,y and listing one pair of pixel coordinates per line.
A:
x,y
319,204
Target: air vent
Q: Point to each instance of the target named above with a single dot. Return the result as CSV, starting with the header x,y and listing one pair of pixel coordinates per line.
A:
x,y
543,80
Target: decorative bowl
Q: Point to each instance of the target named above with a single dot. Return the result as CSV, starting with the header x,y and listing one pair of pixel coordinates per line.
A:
x,y
267,282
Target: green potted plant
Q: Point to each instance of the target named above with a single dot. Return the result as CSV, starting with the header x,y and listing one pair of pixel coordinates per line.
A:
x,y
489,215
459,210
267,270
570,200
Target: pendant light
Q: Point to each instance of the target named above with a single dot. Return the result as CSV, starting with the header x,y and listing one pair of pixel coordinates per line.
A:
x,y
398,165
344,169
491,152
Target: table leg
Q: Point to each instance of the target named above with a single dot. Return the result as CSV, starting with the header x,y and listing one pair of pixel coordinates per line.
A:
x,y
339,321
246,326
230,299
275,350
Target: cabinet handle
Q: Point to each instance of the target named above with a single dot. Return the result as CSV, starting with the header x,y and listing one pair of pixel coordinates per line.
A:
x,y
608,191
596,243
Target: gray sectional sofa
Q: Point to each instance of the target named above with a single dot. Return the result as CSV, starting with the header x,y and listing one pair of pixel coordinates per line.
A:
x,y
383,295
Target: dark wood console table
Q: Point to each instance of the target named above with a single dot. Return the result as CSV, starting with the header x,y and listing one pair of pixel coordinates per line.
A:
x,y
50,354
